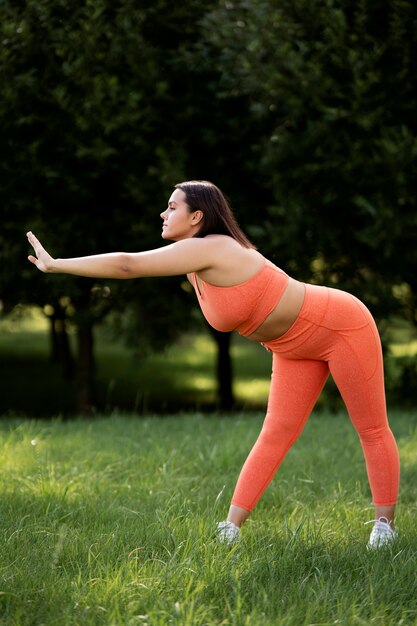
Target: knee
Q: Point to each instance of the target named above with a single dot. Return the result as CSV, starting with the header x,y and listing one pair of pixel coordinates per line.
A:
x,y
278,429
373,435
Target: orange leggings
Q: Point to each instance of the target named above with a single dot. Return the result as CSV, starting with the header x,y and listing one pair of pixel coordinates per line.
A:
x,y
334,333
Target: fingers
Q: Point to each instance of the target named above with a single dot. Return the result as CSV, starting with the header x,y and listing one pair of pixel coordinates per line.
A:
x,y
34,242
41,259
32,239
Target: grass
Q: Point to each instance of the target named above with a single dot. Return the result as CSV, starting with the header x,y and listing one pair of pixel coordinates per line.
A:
x,y
111,522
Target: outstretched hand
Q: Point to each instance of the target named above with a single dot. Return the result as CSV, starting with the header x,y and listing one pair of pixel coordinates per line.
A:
x,y
42,260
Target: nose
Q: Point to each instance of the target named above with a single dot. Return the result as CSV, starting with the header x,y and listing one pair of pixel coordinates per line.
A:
x,y
162,215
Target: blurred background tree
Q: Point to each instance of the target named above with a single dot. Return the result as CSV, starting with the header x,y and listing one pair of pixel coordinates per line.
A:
x,y
304,113
89,156
335,86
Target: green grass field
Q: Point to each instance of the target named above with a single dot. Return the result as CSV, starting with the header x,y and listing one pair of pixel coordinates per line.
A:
x,y
111,522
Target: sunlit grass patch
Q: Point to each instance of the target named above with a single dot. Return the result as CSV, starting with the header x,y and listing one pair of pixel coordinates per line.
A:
x,y
404,349
112,521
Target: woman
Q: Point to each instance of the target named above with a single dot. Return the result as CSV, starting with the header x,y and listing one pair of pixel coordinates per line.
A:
x,y
311,331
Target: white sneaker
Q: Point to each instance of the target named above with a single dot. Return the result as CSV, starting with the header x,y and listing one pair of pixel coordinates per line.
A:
x,y
382,534
227,532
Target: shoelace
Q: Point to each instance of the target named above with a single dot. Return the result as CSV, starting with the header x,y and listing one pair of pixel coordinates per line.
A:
x,y
382,522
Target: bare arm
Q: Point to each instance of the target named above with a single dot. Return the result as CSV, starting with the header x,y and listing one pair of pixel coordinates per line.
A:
x,y
181,257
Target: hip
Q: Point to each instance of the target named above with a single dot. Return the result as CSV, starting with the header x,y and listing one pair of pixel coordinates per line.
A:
x,y
327,315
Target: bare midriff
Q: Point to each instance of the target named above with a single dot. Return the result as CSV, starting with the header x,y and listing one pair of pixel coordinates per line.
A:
x,y
284,314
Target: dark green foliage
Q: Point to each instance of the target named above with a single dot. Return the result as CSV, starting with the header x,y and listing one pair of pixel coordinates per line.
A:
x,y
335,84
89,149
303,112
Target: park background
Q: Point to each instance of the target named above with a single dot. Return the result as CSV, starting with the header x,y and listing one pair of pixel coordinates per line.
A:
x,y
304,113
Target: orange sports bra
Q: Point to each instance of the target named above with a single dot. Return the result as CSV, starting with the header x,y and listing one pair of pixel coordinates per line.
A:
x,y
242,307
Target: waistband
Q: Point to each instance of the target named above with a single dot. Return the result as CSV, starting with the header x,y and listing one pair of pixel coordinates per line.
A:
x,y
311,315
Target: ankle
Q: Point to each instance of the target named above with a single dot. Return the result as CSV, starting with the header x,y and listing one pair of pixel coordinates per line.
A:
x,y
237,515
386,514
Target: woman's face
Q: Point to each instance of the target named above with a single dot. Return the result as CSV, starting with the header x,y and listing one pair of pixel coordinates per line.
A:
x,y
179,223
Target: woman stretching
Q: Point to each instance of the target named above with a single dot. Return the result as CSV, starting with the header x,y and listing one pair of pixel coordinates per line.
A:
x,y
311,331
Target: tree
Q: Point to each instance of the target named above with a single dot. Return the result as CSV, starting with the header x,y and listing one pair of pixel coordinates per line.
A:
x,y
335,87
87,148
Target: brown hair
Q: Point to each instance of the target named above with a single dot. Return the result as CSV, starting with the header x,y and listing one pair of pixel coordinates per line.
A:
x,y
201,195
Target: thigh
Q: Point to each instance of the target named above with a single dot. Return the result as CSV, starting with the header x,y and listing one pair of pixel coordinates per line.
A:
x,y
296,385
357,369
347,338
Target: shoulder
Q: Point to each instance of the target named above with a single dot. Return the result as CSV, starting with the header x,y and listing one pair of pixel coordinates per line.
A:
x,y
231,263
224,250
211,245
222,242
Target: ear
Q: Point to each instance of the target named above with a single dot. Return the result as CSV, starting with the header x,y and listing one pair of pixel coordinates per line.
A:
x,y
197,217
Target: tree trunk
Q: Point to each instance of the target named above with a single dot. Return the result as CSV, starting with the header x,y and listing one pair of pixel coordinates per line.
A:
x,y
60,346
85,395
224,373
